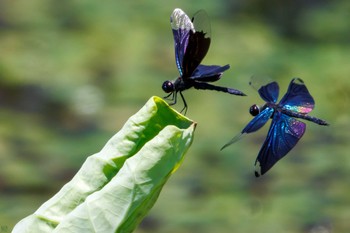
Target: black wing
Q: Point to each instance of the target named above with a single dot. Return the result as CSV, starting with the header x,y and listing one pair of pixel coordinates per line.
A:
x,y
212,73
181,26
198,44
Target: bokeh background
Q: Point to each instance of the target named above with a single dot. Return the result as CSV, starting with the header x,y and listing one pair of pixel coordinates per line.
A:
x,y
72,72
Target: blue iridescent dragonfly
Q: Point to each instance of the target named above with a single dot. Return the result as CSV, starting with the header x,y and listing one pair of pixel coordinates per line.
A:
x,y
285,131
192,40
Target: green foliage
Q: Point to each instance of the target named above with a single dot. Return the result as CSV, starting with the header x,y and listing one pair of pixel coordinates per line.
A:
x,y
72,72
115,188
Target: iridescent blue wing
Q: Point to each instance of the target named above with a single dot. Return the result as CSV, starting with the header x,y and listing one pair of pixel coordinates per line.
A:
x,y
298,98
255,124
205,73
181,26
198,44
283,135
269,92
258,121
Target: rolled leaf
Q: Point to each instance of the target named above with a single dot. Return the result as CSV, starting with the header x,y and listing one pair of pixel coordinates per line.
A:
x,y
115,188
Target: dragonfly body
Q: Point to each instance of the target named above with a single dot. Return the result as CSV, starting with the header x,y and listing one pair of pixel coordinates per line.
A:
x,y
285,130
192,41
302,116
291,113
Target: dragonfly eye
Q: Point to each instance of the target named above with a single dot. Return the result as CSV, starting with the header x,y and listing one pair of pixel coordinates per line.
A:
x,y
254,110
168,87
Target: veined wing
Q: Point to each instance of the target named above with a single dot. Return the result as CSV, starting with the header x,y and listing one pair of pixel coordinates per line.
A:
x,y
298,98
212,73
198,44
259,120
269,92
181,26
283,135
254,125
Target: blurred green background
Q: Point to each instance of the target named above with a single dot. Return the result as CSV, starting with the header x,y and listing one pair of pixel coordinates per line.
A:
x,y
72,72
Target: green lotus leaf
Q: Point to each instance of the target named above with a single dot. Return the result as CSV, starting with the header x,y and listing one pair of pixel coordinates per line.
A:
x,y
115,188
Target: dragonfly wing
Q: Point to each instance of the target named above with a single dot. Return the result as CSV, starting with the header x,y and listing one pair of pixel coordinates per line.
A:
x,y
283,135
258,121
212,73
298,98
181,26
198,43
269,92
254,125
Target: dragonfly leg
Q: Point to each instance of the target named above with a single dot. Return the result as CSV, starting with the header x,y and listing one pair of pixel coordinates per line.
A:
x,y
185,104
172,98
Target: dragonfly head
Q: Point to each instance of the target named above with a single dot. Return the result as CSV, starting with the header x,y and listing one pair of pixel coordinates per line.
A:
x,y
168,87
254,110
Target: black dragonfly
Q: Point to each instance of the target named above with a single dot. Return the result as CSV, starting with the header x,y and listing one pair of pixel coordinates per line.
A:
x,y
285,130
192,40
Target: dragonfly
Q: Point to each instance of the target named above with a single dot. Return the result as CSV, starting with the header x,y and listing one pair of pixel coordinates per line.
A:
x,y
285,130
192,41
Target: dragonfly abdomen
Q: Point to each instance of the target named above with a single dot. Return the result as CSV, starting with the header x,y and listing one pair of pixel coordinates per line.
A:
x,y
304,116
207,86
